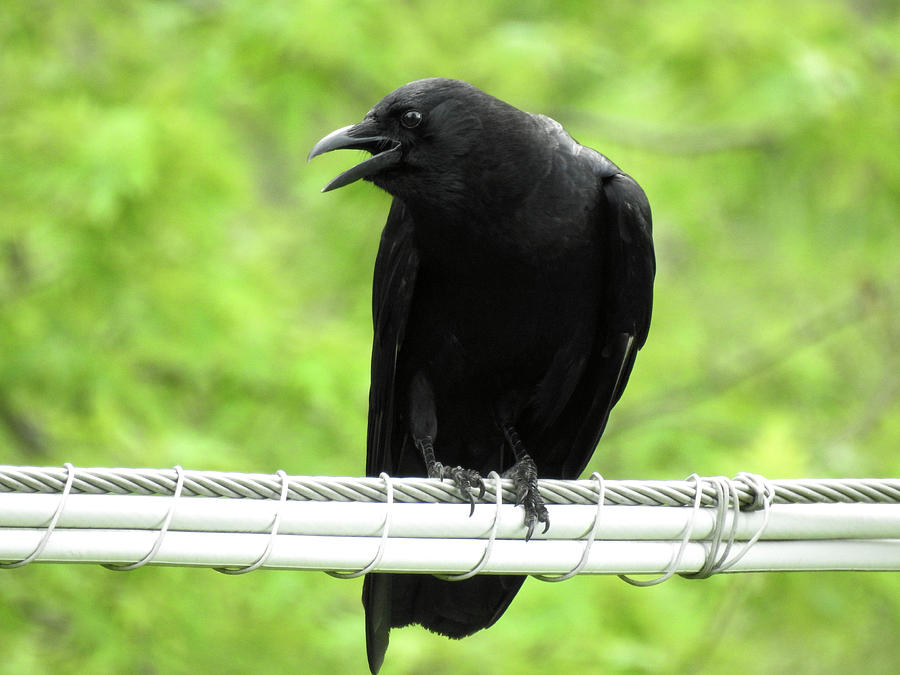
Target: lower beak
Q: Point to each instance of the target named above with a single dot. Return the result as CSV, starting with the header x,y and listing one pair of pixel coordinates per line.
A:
x,y
363,136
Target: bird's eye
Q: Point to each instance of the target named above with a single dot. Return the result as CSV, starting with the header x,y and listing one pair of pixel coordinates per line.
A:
x,y
411,119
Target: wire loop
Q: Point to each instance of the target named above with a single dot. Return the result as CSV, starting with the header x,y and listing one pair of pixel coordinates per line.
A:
x,y
601,497
726,494
67,489
763,493
491,538
272,535
179,484
385,530
688,531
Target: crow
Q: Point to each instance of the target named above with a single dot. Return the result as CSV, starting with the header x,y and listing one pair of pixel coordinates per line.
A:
x,y
512,290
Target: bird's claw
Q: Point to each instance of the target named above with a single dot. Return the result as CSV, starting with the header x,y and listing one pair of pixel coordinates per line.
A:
x,y
465,479
524,475
533,515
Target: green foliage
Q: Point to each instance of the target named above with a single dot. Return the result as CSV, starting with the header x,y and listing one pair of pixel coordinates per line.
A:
x,y
174,289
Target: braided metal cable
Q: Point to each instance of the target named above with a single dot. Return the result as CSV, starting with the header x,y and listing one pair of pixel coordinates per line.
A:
x,y
52,480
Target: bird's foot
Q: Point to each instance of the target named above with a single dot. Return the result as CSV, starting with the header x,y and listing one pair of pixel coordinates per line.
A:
x,y
524,476
467,480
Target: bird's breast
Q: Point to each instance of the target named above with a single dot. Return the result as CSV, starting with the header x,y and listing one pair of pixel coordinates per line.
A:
x,y
504,294
502,318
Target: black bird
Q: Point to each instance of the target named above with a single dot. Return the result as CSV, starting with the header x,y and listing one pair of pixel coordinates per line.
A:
x,y
513,288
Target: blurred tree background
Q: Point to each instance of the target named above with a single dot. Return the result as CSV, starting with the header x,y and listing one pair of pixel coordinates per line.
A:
x,y
174,289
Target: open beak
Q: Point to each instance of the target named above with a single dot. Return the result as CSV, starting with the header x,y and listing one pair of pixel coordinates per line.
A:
x,y
363,136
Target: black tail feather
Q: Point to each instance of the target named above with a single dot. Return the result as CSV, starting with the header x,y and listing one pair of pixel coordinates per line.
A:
x,y
452,608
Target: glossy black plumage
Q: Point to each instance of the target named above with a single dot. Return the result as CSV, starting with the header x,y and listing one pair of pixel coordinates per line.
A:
x,y
512,290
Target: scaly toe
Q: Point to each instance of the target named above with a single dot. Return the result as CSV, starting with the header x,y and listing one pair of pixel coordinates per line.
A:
x,y
437,470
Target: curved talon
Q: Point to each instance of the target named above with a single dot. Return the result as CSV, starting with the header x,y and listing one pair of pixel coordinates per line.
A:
x,y
471,503
465,480
533,515
472,479
469,480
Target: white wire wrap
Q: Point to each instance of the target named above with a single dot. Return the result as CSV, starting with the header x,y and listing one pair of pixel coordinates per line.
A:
x,y
385,532
179,485
764,490
270,544
676,561
592,537
54,519
486,556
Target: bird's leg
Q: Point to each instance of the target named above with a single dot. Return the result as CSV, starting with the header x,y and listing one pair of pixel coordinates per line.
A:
x,y
423,428
524,475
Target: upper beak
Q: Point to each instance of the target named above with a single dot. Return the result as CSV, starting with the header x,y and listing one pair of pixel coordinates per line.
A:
x,y
363,136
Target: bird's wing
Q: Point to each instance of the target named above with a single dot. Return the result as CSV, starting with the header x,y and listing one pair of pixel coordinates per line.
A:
x,y
395,276
630,263
623,216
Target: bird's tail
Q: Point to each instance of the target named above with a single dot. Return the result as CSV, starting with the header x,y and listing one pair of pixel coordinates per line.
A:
x,y
452,608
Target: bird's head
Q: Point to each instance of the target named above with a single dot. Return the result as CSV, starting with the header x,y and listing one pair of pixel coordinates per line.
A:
x,y
431,141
